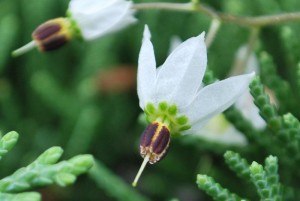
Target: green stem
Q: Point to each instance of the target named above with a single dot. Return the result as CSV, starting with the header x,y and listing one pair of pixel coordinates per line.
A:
x,y
239,65
258,21
212,32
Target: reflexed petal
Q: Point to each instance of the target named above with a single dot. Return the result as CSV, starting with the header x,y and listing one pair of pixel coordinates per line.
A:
x,y
196,127
98,17
216,97
146,70
174,43
219,130
88,6
182,73
249,110
251,65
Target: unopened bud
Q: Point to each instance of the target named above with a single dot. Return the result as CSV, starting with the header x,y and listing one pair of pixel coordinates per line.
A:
x,y
49,36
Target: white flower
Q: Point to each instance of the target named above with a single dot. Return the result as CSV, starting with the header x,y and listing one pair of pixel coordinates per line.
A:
x,y
218,129
173,96
245,102
89,19
179,82
96,18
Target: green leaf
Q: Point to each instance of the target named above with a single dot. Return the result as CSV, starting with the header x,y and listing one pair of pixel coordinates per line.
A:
x,y
43,172
113,185
28,196
7,142
215,190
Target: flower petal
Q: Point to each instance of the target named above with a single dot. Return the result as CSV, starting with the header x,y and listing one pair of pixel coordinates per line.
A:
x,y
96,18
182,73
216,97
249,110
146,70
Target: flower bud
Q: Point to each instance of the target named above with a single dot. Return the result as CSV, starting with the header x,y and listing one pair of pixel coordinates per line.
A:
x,y
49,36
52,34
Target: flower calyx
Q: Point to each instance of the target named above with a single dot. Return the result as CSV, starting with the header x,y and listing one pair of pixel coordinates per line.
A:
x,y
168,114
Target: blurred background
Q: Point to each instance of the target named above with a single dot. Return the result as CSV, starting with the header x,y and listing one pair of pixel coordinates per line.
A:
x,y
83,97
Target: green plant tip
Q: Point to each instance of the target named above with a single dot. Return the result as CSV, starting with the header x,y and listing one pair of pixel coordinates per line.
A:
x,y
229,154
50,156
202,179
10,135
82,163
9,140
256,168
65,179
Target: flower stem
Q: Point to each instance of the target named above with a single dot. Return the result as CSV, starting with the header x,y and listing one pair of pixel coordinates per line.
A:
x,y
258,21
146,159
240,63
29,46
213,29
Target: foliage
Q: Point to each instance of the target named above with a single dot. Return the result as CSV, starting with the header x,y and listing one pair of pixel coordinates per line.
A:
x,y
41,172
77,98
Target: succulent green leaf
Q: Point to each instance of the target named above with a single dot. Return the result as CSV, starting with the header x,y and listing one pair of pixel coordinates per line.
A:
x,y
237,164
7,142
215,190
43,172
28,196
50,156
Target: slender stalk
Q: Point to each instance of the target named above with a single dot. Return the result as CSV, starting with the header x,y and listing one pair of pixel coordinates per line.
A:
x,y
185,7
29,46
240,63
146,160
213,30
257,21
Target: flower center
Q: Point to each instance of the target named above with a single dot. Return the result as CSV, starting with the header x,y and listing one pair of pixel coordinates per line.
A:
x,y
167,114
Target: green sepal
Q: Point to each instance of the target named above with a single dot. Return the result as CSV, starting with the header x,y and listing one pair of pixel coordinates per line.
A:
x,y
167,114
74,28
215,190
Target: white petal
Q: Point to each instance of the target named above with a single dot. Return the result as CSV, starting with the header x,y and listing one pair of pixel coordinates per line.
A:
x,y
219,130
96,18
182,73
216,97
146,70
251,65
249,110
174,43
